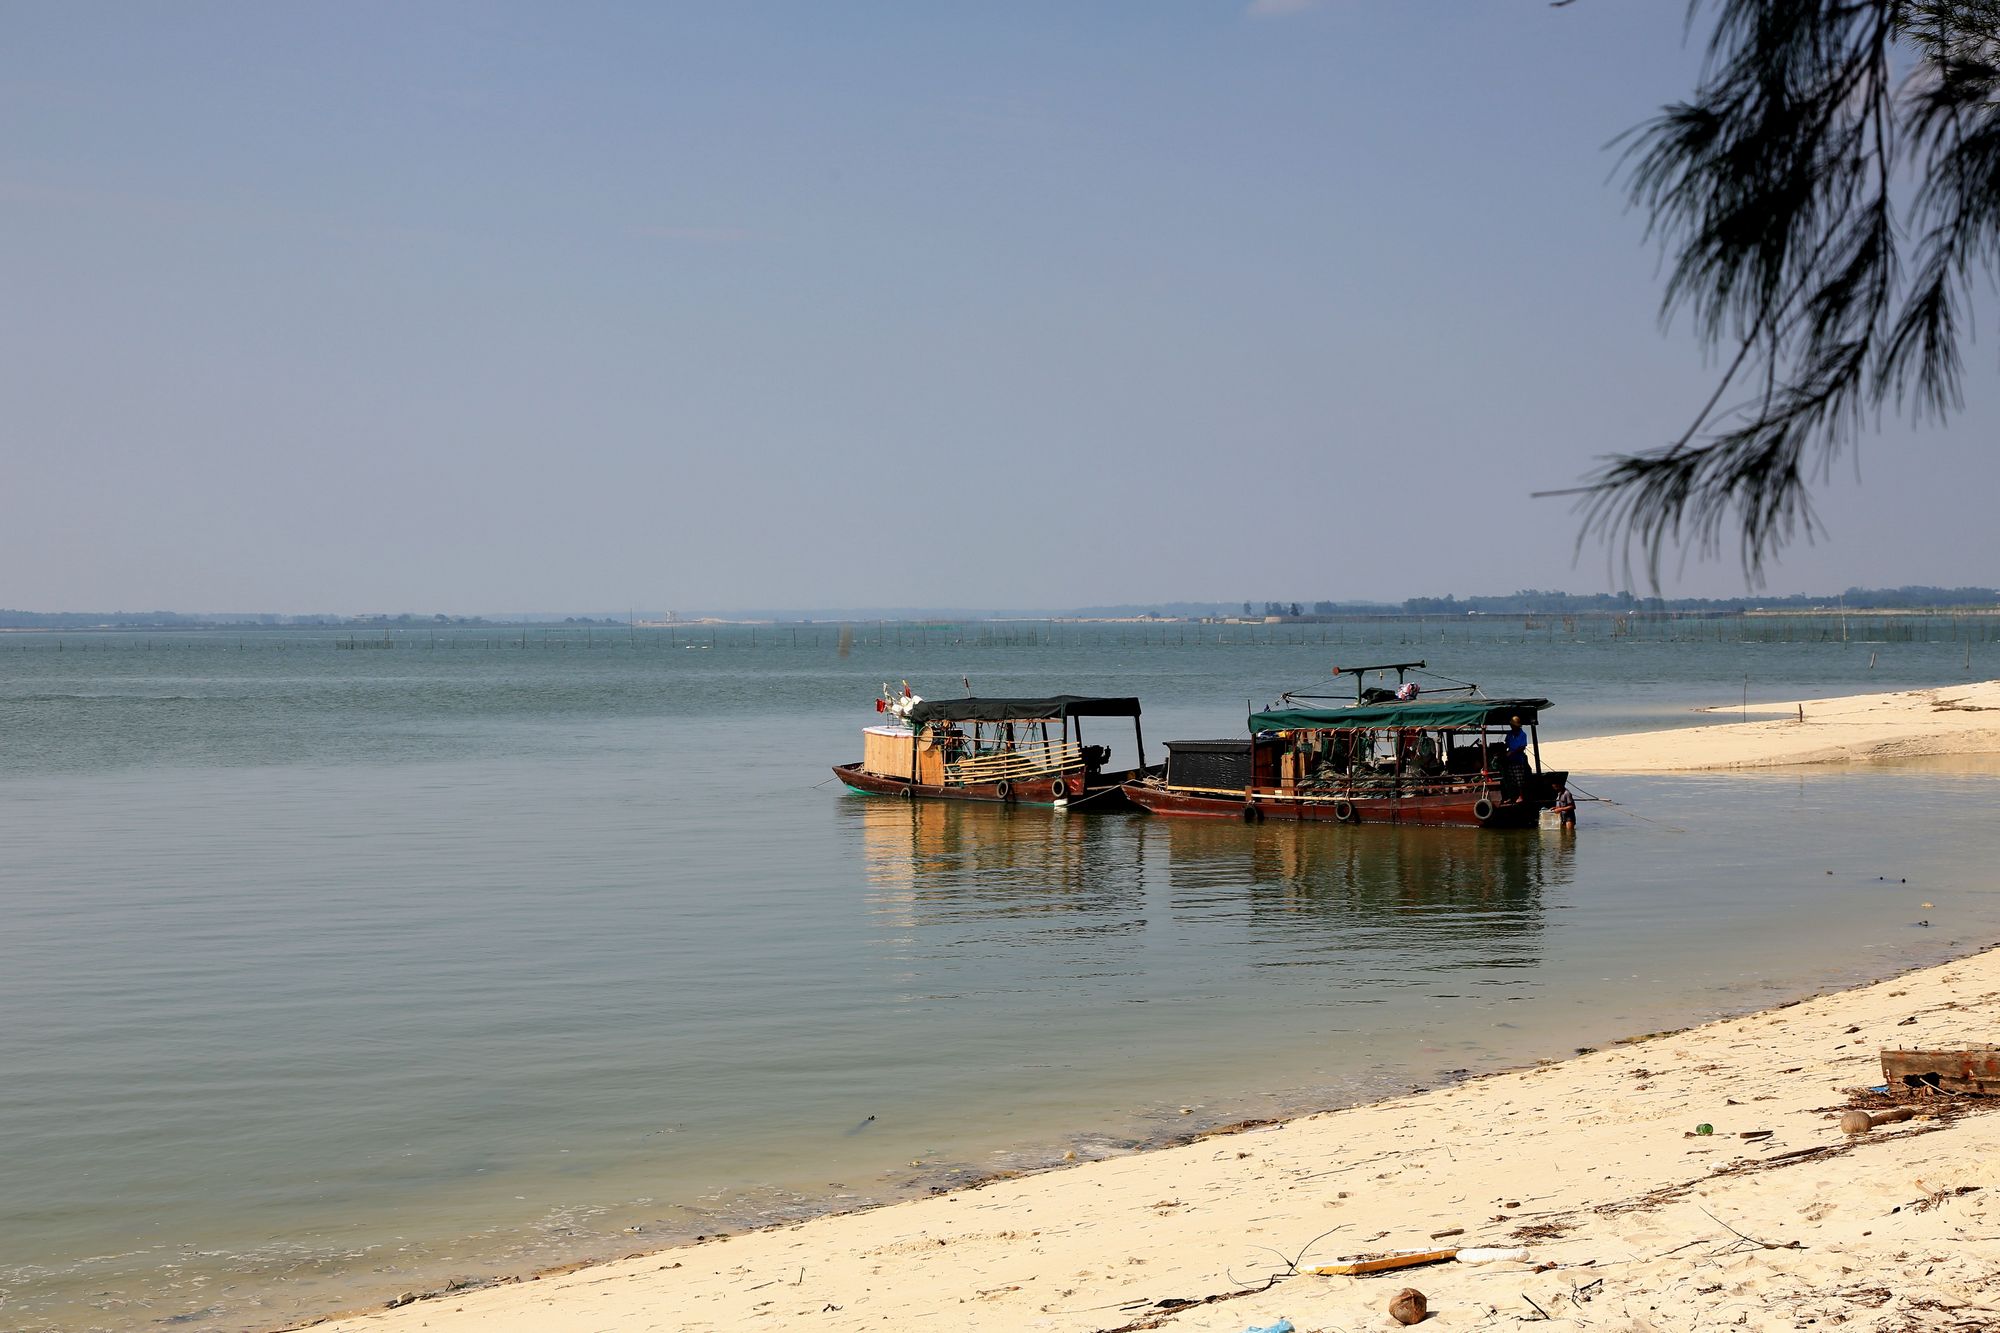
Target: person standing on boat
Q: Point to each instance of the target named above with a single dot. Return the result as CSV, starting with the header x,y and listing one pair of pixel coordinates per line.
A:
x,y
1515,774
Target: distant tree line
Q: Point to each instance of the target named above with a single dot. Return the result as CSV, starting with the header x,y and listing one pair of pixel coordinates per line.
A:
x,y
1533,601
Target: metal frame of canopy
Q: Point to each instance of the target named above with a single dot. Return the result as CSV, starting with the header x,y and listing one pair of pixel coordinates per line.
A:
x,y
1005,712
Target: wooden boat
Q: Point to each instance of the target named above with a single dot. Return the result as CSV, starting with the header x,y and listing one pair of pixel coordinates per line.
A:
x,y
1389,760
1974,1070
1017,751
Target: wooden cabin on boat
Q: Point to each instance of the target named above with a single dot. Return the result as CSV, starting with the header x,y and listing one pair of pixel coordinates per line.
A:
x,y
1020,751
1442,762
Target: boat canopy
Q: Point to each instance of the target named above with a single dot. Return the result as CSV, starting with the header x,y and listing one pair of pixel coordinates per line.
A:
x,y
1019,710
1455,713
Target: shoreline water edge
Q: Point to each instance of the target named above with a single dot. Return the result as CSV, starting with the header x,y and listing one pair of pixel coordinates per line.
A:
x,y
1673,1181
1630,1213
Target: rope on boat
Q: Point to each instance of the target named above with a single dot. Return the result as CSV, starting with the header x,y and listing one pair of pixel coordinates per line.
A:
x,y
1622,808
1461,684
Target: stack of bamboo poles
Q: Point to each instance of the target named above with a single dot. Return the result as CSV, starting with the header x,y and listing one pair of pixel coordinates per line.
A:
x,y
1026,761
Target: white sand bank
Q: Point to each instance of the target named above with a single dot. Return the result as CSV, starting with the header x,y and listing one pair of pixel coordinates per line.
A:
x,y
1949,720
1587,1163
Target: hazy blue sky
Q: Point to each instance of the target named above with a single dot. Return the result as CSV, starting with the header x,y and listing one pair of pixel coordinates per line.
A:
x,y
484,306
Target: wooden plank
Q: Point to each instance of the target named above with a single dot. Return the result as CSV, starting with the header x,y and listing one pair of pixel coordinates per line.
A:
x,y
1303,797
1975,1070
1384,1263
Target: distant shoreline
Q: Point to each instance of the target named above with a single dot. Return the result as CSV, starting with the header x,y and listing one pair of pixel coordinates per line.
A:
x,y
1536,619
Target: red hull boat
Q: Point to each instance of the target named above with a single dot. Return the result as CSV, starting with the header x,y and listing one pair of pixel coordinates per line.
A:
x,y
1390,760
1444,808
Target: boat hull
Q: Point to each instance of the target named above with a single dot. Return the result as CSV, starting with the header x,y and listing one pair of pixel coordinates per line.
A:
x,y
1456,808
1070,788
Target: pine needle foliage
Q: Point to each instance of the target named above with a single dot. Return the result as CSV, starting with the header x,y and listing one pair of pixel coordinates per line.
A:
x,y
1828,202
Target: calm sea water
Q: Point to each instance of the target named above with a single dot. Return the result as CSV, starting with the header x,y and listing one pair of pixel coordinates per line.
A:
x,y
333,972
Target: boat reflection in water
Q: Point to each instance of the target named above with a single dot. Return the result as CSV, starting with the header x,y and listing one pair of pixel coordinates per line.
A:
x,y
1450,897
938,862
1109,971
1460,898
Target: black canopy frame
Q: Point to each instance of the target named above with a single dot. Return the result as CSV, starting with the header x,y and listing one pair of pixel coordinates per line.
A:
x,y
1066,708
1050,709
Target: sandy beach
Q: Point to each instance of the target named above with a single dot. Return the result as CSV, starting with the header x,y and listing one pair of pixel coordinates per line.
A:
x,y
1630,1217
1862,728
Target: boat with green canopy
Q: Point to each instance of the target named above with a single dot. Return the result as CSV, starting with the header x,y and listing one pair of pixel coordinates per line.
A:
x,y
1390,757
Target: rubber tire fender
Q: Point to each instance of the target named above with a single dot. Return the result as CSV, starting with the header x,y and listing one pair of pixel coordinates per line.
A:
x,y
1344,811
1004,790
1482,809
1059,789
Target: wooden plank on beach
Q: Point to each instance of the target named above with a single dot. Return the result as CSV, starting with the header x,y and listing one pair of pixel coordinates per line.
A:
x,y
1383,1263
1975,1069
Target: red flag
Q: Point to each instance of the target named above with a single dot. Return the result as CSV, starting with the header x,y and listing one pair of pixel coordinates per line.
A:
x,y
881,705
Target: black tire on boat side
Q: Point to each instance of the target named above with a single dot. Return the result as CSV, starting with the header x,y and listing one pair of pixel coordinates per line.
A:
x,y
1482,809
1059,789
1004,790
1344,811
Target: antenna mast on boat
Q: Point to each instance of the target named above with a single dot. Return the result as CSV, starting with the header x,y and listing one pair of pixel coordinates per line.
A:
x,y
1360,673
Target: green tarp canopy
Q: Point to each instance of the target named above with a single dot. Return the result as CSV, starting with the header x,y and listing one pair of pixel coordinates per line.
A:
x,y
1457,713
1019,710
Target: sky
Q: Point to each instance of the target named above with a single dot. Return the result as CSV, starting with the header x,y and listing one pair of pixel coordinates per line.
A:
x,y
489,307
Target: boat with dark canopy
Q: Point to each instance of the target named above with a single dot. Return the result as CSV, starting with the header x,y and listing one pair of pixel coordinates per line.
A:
x,y
1017,751
1391,757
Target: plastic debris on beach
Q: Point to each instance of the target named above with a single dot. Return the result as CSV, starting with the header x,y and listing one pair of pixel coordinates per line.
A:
x,y
1492,1256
